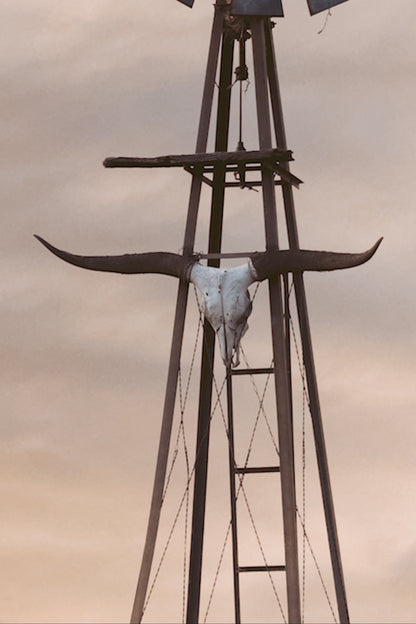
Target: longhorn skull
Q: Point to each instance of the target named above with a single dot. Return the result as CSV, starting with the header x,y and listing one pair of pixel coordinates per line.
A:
x,y
223,293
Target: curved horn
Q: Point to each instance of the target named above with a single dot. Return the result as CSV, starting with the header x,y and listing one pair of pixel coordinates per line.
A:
x,y
156,262
271,263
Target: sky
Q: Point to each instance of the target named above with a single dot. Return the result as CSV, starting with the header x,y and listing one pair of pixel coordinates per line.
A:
x,y
85,354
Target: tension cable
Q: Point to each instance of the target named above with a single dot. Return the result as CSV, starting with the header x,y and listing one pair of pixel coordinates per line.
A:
x,y
240,488
162,558
190,475
302,517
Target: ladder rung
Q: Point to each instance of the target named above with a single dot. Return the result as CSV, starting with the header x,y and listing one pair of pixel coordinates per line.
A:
x,y
255,470
270,568
252,371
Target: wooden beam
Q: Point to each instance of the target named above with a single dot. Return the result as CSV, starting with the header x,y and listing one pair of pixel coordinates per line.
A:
x,y
213,158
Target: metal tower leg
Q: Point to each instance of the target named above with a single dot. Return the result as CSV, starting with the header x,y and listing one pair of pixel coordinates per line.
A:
x,y
278,332
307,342
172,380
205,397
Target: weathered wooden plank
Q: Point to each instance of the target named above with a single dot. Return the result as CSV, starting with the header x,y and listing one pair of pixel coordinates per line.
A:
x,y
213,158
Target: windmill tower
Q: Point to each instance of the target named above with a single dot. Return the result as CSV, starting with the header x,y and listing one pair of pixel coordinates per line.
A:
x,y
237,23
254,18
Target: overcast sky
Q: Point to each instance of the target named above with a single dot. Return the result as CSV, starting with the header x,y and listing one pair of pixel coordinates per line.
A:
x,y
85,354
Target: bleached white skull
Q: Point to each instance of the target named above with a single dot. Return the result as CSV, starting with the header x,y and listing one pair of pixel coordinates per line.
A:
x,y
223,295
225,302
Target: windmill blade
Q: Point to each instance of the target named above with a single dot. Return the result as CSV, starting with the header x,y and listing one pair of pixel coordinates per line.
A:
x,y
316,6
189,3
271,8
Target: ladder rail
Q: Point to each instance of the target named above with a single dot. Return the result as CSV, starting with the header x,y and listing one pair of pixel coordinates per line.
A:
x,y
233,497
240,472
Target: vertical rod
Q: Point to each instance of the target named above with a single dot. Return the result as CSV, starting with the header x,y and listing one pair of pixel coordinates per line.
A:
x,y
208,350
201,473
204,121
233,500
179,322
286,291
278,332
307,345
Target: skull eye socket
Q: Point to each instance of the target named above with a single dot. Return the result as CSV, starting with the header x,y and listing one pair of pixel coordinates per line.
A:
x,y
242,319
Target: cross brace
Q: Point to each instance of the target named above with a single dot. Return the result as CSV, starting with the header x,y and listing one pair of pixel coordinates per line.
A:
x,y
199,164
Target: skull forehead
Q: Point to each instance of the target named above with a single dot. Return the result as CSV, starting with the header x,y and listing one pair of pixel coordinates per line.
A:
x,y
215,280
222,292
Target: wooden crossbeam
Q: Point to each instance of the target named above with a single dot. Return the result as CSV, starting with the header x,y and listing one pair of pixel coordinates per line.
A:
x,y
213,158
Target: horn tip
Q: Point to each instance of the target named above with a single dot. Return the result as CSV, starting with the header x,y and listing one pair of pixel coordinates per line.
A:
x,y
377,245
44,242
40,239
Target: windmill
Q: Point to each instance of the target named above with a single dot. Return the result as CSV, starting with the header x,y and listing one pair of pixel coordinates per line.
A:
x,y
223,295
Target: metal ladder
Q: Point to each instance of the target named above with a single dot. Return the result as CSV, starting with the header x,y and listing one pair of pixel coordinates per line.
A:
x,y
236,471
